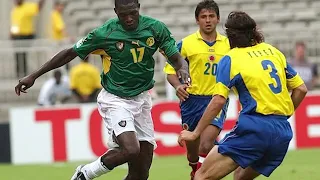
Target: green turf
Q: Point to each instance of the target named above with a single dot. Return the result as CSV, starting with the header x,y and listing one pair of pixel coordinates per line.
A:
x,y
298,165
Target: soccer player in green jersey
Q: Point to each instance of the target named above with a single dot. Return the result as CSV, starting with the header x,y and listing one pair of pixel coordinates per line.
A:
x,y
127,44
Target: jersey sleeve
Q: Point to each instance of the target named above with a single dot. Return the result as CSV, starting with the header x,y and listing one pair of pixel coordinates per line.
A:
x,y
222,87
293,78
89,44
165,39
168,69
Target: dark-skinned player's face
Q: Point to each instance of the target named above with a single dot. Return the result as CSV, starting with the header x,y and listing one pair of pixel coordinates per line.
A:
x,y
207,20
128,15
19,2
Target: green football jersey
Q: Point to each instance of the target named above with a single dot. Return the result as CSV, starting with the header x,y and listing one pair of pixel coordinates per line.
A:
x,y
128,64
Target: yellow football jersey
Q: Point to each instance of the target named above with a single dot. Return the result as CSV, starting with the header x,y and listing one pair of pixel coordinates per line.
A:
x,y
262,78
203,58
22,18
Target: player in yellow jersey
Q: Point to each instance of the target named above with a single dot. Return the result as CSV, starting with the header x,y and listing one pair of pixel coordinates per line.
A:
x,y
263,79
203,51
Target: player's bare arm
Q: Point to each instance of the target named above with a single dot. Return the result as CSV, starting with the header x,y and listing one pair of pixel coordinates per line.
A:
x,y
213,109
180,88
60,59
181,67
298,94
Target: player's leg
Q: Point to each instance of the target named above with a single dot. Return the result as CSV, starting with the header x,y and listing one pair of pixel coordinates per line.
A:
x,y
139,167
193,155
128,149
119,121
245,174
191,112
243,146
215,166
207,140
209,135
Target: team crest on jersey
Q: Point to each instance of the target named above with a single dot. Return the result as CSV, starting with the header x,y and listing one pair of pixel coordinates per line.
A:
x,y
185,126
150,41
122,123
120,46
211,58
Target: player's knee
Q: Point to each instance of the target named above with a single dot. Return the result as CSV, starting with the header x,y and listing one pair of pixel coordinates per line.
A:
x,y
201,175
240,175
131,151
205,147
236,174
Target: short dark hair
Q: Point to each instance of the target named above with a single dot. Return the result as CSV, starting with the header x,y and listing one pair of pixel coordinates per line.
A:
x,y
118,2
241,30
300,43
58,3
207,4
57,72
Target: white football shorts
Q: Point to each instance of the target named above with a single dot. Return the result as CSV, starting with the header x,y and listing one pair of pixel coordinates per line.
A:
x,y
127,114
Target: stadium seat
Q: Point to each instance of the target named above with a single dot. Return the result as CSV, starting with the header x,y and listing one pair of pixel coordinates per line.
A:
x,y
282,16
250,7
148,3
73,6
306,15
179,32
274,6
170,3
271,28
186,20
315,4
106,14
101,5
295,26
156,11
260,16
168,20
297,5
176,11
79,16
314,26
86,26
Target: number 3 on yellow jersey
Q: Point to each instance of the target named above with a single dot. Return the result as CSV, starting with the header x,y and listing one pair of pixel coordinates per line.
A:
x,y
273,74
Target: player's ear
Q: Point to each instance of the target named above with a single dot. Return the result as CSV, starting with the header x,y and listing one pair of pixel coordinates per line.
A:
x,y
197,21
139,5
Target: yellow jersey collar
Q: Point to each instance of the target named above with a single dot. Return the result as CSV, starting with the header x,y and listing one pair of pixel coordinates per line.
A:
x,y
218,38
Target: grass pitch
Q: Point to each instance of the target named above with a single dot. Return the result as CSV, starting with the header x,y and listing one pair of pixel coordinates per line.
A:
x,y
298,165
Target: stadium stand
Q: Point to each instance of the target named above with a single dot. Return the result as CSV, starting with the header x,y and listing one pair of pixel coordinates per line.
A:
x,y
282,21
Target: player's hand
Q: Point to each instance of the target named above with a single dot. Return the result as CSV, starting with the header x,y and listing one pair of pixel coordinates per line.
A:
x,y
186,136
184,76
181,92
24,84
